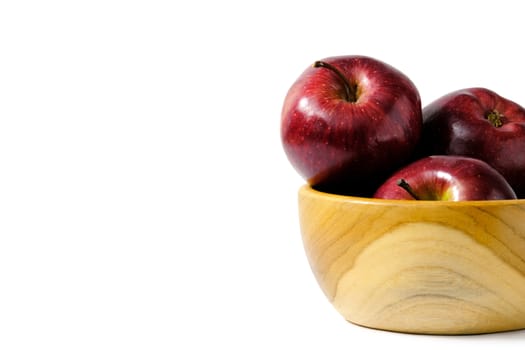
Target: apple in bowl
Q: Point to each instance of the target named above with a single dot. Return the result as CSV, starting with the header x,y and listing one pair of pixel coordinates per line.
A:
x,y
478,123
348,121
447,178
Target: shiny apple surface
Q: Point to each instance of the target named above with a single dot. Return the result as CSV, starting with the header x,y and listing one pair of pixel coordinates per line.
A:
x,y
330,137
446,178
478,123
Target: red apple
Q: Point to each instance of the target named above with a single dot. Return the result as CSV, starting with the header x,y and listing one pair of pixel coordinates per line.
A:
x,y
446,178
479,123
349,119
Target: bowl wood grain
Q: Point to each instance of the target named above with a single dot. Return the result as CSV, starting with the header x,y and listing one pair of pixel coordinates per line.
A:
x,y
418,266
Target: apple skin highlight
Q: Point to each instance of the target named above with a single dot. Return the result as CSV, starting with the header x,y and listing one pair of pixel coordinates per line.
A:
x,y
478,123
447,178
332,141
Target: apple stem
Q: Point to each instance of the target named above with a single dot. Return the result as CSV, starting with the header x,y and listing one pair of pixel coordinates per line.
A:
x,y
350,89
495,118
404,185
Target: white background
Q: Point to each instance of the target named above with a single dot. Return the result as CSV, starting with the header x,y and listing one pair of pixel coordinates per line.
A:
x,y
145,200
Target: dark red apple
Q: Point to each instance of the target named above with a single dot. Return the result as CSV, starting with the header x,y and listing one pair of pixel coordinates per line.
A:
x,y
350,119
446,178
479,123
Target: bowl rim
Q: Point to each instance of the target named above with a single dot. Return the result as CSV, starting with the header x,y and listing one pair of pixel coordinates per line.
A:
x,y
308,190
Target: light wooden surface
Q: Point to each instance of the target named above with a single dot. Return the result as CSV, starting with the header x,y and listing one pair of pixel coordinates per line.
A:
x,y
418,267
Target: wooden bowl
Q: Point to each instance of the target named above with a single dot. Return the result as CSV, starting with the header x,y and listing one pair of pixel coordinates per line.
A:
x,y
429,267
